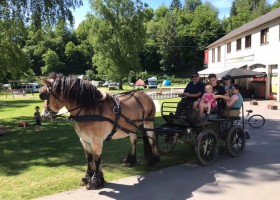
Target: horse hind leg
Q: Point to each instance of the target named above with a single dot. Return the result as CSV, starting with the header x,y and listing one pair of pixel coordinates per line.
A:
x,y
150,148
130,159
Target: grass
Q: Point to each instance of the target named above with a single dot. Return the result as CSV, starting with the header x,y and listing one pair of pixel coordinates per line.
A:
x,y
38,162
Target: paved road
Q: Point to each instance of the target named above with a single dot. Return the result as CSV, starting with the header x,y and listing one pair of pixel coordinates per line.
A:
x,y
254,175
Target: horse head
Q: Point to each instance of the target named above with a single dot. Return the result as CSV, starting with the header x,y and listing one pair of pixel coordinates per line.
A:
x,y
53,102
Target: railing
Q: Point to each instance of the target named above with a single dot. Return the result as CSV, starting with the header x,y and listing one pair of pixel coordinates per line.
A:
x,y
164,95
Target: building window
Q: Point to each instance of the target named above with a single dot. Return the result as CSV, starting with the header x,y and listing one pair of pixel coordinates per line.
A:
x,y
238,44
213,55
265,36
248,41
229,47
219,54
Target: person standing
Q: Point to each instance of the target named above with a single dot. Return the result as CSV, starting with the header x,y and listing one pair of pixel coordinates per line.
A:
x,y
37,116
192,92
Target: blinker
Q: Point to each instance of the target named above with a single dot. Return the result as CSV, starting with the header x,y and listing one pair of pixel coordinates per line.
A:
x,y
43,96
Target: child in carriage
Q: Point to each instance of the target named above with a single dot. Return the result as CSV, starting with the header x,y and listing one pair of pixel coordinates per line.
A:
x,y
206,99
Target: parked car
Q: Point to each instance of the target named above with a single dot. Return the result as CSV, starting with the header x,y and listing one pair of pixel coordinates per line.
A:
x,y
114,85
106,84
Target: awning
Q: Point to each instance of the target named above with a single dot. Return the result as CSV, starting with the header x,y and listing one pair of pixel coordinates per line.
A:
x,y
239,73
235,72
215,70
259,70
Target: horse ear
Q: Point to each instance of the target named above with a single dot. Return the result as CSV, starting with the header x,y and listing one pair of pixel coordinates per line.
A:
x,y
48,82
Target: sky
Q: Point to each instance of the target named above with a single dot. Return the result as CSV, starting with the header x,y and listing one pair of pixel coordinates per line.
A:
x,y
222,5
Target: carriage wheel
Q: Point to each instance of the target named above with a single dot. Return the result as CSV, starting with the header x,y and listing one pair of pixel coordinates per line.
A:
x,y
165,141
206,148
236,141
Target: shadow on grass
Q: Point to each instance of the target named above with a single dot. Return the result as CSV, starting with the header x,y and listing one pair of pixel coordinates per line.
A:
x,y
19,103
56,143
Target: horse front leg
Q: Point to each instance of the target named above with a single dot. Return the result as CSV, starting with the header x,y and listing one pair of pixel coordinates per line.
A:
x,y
90,169
97,180
131,157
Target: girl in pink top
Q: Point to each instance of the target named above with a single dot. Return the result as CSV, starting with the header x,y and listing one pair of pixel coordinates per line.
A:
x,y
206,99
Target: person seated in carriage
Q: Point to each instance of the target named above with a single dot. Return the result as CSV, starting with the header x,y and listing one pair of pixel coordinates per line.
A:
x,y
217,90
206,100
227,84
192,92
234,103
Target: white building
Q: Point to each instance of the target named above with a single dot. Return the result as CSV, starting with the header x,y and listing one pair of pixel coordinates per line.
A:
x,y
254,46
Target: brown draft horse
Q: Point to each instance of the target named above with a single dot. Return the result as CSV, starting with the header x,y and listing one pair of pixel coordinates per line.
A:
x,y
98,116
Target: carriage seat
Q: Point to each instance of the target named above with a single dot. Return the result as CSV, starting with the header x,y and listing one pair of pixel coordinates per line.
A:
x,y
232,117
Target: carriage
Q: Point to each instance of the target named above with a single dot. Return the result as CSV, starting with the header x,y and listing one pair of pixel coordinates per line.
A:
x,y
98,116
204,134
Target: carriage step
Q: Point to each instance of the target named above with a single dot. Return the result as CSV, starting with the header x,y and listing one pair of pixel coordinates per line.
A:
x,y
247,135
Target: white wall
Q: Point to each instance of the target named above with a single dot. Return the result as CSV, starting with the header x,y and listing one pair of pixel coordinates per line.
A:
x,y
265,54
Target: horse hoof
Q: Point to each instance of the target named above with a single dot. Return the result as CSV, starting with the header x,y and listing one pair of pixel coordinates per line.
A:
x,y
153,164
85,180
95,183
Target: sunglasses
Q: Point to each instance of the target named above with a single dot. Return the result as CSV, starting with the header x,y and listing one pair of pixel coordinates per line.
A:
x,y
194,76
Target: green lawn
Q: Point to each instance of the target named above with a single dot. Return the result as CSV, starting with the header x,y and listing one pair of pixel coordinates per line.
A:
x,y
38,162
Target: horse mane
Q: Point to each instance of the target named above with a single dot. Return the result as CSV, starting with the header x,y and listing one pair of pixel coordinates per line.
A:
x,y
76,91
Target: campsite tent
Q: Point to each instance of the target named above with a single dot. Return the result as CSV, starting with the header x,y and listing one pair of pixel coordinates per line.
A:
x,y
166,83
139,82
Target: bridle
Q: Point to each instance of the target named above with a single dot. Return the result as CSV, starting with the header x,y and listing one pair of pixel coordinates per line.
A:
x,y
46,96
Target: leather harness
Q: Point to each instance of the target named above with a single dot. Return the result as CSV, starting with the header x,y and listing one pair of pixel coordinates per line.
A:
x,y
118,115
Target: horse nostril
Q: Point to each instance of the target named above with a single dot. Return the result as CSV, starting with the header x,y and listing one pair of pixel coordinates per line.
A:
x,y
43,96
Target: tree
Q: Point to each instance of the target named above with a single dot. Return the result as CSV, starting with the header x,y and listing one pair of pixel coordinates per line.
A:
x,y
117,37
233,11
244,11
39,11
191,5
276,4
14,15
167,41
52,63
175,4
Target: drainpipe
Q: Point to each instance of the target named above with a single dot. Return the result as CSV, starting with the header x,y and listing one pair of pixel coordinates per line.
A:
x,y
278,82
268,81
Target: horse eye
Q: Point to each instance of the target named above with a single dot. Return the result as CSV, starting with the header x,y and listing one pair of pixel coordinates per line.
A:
x,y
43,96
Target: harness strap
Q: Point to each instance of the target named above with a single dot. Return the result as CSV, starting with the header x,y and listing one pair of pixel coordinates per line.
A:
x,y
89,118
118,115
